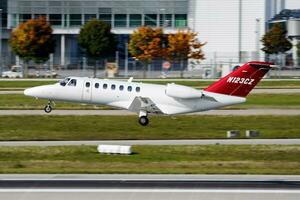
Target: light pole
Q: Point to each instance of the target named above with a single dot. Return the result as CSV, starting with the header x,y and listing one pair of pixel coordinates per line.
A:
x,y
240,32
257,31
126,59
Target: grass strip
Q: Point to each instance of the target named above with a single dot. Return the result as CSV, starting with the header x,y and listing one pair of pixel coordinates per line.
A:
x,y
14,128
19,101
207,159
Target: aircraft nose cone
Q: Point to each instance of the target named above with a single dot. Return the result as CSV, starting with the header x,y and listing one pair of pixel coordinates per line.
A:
x,y
34,91
28,92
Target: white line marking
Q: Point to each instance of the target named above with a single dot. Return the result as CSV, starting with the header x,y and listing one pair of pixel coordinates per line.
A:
x,y
260,191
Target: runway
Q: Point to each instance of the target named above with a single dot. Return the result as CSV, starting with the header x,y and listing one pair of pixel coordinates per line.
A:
x,y
156,187
254,91
156,142
244,112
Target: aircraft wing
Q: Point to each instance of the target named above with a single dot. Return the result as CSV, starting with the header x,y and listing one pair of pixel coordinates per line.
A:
x,y
145,104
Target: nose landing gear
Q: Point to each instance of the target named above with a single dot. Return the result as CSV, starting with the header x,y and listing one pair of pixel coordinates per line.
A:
x,y
143,119
48,107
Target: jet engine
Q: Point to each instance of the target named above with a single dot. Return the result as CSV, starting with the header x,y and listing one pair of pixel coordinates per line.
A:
x,y
183,92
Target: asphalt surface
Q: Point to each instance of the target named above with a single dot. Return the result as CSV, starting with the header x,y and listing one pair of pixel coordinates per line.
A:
x,y
156,187
244,112
157,142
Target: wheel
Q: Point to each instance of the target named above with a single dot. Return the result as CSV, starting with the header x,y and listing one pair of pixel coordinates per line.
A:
x,y
48,109
144,121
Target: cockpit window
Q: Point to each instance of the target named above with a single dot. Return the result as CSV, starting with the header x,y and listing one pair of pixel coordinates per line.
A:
x,y
72,82
64,81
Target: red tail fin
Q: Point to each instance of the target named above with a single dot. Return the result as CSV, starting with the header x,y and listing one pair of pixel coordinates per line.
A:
x,y
241,81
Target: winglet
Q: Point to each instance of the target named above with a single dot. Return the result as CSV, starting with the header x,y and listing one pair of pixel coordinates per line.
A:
x,y
130,80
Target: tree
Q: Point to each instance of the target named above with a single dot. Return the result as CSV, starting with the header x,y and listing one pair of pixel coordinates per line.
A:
x,y
33,40
96,39
147,44
275,41
182,46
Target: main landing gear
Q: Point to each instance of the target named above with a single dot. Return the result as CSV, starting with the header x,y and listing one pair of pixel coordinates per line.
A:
x,y
48,107
143,119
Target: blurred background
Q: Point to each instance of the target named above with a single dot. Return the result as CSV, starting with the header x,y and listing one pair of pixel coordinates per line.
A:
x,y
232,30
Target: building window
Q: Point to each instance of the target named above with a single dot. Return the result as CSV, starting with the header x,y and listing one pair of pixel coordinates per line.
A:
x,y
14,20
106,18
75,19
137,89
181,20
121,88
89,17
150,20
25,17
96,85
120,20
113,87
165,20
36,16
55,19
129,88
105,86
135,20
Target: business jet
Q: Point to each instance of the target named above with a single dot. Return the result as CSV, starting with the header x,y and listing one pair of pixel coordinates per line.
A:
x,y
145,98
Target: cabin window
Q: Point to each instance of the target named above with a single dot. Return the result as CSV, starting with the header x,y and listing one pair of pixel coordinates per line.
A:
x,y
113,87
105,86
137,89
72,82
121,88
87,84
129,88
96,85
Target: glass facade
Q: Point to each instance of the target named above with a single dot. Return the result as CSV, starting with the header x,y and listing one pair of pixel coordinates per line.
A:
x,y
150,19
106,18
180,20
117,13
135,20
66,17
120,20
55,19
75,19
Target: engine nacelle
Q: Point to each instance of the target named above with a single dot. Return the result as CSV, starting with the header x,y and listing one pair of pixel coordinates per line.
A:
x,y
183,92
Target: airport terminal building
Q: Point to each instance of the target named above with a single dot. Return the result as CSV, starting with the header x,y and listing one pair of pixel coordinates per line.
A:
x,y
232,29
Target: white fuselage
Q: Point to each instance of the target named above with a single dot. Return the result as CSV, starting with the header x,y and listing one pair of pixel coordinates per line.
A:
x,y
109,93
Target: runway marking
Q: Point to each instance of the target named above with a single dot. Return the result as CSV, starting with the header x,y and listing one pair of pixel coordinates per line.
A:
x,y
256,191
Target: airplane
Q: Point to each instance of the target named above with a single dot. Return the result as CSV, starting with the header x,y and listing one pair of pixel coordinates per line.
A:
x,y
144,98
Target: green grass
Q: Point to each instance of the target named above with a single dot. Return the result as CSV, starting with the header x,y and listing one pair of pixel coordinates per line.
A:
x,y
207,159
23,84
199,84
19,101
126,127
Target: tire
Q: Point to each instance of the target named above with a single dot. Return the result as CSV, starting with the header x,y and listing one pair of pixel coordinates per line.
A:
x,y
48,109
144,121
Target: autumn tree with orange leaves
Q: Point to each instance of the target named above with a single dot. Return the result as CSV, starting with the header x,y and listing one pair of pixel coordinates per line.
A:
x,y
33,40
182,46
147,44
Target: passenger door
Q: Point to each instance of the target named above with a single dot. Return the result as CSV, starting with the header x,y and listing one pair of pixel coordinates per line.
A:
x,y
87,91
